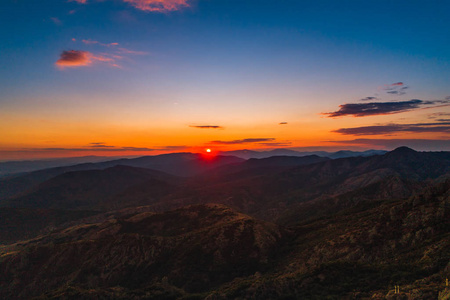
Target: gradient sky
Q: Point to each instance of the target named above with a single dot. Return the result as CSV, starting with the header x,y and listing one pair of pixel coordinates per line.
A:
x,y
143,77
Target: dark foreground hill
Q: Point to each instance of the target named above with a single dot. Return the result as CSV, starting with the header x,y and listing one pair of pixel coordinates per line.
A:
x,y
212,252
193,249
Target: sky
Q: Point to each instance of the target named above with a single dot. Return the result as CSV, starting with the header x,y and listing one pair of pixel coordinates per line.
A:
x,y
145,77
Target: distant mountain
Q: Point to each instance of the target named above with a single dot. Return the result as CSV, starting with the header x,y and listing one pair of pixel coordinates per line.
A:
x,y
107,189
271,193
247,154
14,167
178,164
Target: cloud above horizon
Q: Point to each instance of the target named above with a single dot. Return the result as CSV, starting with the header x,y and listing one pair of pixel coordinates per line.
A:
x,y
417,144
206,126
74,58
92,42
443,127
397,88
381,108
370,98
244,141
152,5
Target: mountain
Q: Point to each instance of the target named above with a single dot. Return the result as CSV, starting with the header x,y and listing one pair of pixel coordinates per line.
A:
x,y
13,167
247,154
98,189
24,223
212,252
188,250
271,193
178,164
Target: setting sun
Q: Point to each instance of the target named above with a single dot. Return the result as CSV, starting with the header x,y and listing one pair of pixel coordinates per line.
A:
x,y
208,150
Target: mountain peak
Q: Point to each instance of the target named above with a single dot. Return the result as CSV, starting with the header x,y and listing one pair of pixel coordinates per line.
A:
x,y
403,150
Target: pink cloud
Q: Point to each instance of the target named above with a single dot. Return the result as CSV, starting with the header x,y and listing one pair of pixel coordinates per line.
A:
x,y
76,58
79,1
158,5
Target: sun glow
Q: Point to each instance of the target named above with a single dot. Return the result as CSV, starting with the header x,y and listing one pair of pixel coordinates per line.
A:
x,y
208,150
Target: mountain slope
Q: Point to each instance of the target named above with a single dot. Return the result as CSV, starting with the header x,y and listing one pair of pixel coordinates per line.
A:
x,y
194,249
96,189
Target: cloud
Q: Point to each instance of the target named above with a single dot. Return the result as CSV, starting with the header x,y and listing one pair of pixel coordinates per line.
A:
x,y
108,148
79,1
158,5
91,42
276,144
99,145
397,88
56,21
392,128
440,115
368,99
206,126
77,58
74,58
128,51
283,123
243,141
418,144
381,108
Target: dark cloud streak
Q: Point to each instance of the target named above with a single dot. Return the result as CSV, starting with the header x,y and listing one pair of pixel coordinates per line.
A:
x,y
244,141
393,128
381,108
206,126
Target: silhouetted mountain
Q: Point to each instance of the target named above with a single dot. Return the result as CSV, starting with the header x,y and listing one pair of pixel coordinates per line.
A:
x,y
98,189
270,193
179,164
247,154
13,167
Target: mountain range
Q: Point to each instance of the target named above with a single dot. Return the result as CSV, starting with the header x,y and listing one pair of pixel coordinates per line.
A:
x,y
191,226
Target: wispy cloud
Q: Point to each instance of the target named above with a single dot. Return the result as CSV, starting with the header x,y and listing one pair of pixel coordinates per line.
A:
x,y
440,116
276,144
381,108
397,88
128,51
158,5
91,42
370,98
418,144
443,127
55,20
111,55
99,145
243,141
283,123
162,6
78,58
206,126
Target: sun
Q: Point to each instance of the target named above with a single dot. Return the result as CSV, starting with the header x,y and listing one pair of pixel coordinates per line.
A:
x,y
208,150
